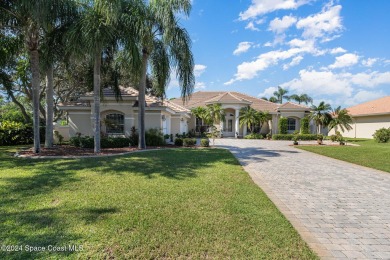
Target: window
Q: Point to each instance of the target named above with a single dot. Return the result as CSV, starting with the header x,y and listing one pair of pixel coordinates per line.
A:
x,y
291,122
115,124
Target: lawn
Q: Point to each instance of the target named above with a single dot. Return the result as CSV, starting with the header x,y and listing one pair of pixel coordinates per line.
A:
x,y
179,203
369,153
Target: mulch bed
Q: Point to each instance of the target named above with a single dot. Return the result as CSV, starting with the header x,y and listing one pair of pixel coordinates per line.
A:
x,y
71,151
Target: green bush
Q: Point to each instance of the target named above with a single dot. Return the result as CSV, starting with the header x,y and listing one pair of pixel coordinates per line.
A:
x,y
333,138
382,135
189,141
254,136
16,133
154,137
204,142
305,125
320,137
301,137
179,141
133,137
282,125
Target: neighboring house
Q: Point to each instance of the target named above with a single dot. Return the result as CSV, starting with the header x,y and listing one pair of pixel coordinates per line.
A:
x,y
173,116
368,117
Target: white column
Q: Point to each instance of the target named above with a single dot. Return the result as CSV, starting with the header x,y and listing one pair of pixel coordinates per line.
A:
x,y
237,130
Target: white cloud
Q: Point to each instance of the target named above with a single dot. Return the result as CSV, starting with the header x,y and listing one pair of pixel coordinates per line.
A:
x,y
268,92
200,85
268,44
369,62
327,83
280,25
294,62
199,69
337,50
323,24
251,26
346,60
261,7
362,96
242,47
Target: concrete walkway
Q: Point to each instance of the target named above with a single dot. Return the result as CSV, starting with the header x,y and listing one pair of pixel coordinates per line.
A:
x,y
342,210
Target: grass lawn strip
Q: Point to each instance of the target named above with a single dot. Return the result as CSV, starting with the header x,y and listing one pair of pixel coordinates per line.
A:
x,y
180,203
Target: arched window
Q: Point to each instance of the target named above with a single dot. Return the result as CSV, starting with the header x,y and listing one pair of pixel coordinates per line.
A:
x,y
291,124
115,124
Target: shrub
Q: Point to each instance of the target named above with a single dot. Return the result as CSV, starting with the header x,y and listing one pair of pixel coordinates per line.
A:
x,y
204,142
382,135
333,138
253,136
16,133
305,125
301,137
179,141
269,136
59,137
282,125
133,137
320,137
189,141
154,137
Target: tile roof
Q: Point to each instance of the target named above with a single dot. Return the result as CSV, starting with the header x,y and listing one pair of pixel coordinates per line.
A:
x,y
125,92
295,106
377,106
203,98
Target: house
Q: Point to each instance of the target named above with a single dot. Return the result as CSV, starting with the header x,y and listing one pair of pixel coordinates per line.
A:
x,y
368,117
173,116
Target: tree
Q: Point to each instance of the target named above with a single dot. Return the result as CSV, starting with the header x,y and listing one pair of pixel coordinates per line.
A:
x,y
164,45
96,30
280,94
249,116
340,118
216,113
303,98
264,117
320,114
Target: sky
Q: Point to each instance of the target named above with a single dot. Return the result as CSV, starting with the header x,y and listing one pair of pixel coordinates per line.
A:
x,y
335,51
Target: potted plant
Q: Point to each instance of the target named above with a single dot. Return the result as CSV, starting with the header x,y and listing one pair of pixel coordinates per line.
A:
x,y
295,140
320,137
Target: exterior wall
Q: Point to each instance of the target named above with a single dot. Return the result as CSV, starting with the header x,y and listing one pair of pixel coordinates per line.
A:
x,y
80,122
62,130
365,126
175,125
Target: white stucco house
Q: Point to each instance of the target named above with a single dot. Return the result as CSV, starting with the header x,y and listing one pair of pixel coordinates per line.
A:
x,y
368,117
173,116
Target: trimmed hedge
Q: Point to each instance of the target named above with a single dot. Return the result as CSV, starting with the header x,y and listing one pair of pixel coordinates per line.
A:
x,y
204,142
254,136
282,125
189,141
382,135
305,125
179,141
303,137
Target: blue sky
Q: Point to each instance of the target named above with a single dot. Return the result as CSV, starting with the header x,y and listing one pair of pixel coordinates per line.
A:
x,y
336,51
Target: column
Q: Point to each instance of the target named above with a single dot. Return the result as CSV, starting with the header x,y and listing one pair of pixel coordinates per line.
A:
x,y
237,128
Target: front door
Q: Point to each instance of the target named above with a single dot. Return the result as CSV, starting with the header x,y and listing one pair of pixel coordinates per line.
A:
x,y
229,125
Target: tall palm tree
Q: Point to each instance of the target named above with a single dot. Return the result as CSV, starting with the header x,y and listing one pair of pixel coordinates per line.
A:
x,y
249,116
303,98
96,30
280,94
164,45
321,115
340,118
264,117
27,18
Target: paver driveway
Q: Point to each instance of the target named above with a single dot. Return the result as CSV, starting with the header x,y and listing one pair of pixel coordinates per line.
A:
x,y
342,210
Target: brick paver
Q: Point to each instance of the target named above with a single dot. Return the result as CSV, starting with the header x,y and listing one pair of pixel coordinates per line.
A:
x,y
342,210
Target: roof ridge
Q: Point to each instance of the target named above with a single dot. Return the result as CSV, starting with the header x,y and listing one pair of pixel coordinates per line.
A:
x,y
241,99
255,97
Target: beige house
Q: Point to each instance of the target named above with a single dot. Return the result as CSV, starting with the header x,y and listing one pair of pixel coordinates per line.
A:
x,y
174,116
368,117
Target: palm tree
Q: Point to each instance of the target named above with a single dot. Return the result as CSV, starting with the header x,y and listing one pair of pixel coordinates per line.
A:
x,y
340,118
264,117
216,113
27,18
320,114
280,94
96,30
164,45
303,98
249,116
273,100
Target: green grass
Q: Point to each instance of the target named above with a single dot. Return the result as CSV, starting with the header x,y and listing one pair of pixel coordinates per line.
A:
x,y
183,203
369,153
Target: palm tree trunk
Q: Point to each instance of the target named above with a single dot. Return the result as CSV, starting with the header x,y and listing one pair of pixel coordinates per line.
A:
x,y
34,59
49,107
96,100
141,101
